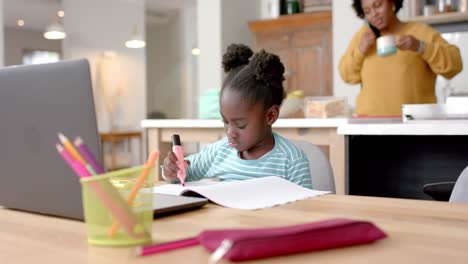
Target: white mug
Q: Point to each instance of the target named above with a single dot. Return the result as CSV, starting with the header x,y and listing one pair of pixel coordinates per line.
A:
x,y
386,45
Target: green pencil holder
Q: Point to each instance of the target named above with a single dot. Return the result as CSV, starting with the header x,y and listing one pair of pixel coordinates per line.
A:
x,y
105,204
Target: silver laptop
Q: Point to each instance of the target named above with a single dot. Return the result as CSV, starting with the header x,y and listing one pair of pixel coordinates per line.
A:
x,y
37,102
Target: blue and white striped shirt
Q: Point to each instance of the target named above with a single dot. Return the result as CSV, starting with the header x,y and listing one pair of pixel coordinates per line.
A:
x,y
219,160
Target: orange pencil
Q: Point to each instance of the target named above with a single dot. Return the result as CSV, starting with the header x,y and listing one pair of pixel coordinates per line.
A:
x,y
139,182
71,149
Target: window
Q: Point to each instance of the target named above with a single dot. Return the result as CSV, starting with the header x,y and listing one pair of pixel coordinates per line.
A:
x,y
40,56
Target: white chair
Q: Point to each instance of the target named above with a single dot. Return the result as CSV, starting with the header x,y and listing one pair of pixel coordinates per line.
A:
x,y
454,192
320,168
460,190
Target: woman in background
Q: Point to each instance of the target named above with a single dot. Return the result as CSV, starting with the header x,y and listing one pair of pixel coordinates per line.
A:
x,y
406,77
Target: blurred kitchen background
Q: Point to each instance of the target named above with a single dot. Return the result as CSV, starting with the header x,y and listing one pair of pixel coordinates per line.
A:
x,y
183,44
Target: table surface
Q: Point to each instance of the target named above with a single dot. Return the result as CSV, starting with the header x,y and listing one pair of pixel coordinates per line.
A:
x,y
418,231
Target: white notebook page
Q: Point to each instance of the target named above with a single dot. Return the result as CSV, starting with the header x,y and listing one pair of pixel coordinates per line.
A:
x,y
249,194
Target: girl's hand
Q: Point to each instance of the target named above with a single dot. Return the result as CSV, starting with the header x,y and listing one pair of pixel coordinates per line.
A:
x,y
367,41
407,42
170,167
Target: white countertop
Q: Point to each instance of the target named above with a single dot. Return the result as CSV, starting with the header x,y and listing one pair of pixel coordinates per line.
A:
x,y
216,123
353,127
423,128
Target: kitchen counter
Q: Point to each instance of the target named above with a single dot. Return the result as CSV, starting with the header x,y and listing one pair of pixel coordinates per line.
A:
x,y
397,127
215,123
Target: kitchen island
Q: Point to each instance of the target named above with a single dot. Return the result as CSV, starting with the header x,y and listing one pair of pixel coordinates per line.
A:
x,y
389,158
319,131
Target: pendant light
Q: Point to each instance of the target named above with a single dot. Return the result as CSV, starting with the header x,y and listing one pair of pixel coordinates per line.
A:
x,y
55,30
136,41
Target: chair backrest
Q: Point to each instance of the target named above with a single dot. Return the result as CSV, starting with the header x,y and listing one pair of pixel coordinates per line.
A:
x,y
320,168
460,190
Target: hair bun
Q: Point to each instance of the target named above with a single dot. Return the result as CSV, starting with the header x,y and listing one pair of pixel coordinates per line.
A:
x,y
267,67
235,56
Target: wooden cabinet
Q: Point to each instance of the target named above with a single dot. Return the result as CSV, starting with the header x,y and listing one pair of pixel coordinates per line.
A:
x,y
304,44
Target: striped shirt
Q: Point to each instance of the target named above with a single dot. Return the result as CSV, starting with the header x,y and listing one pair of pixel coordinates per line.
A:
x,y
219,160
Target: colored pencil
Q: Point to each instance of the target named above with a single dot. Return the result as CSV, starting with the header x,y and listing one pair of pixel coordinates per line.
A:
x,y
107,194
88,156
164,247
71,149
137,186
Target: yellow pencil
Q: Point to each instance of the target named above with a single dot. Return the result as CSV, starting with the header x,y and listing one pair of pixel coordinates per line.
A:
x,y
139,182
71,149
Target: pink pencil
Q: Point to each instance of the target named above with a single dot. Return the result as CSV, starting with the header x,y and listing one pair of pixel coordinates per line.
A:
x,y
163,247
111,200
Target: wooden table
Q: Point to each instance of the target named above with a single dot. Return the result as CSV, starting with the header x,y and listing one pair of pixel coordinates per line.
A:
x,y
116,137
419,232
319,131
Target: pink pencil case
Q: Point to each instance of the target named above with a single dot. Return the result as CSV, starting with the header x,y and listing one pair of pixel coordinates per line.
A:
x,y
248,244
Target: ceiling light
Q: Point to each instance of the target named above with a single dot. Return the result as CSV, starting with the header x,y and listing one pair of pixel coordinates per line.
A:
x,y
196,51
55,30
20,22
60,13
136,41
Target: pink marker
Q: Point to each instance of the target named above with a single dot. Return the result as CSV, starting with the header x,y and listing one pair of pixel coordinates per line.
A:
x,y
179,152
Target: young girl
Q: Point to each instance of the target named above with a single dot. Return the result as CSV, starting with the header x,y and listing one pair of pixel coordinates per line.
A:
x,y
250,98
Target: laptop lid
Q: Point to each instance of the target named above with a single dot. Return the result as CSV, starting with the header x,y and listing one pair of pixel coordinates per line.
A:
x,y
37,102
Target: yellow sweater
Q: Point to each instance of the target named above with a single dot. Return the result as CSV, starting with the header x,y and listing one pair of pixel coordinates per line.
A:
x,y
406,77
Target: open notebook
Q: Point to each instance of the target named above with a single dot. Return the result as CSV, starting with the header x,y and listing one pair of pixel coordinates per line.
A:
x,y
249,194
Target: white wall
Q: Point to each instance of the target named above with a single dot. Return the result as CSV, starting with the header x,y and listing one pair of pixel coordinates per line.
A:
x,y
345,25
189,63
221,23
1,35
163,67
18,40
209,37
171,67
235,17
94,28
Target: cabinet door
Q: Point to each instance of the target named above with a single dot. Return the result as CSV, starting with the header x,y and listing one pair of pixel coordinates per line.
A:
x,y
303,42
311,56
277,42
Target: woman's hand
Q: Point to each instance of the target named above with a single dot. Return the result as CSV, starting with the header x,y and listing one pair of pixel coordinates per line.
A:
x,y
170,166
407,42
367,40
